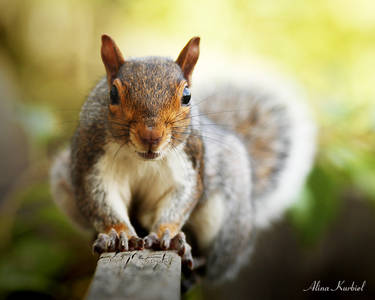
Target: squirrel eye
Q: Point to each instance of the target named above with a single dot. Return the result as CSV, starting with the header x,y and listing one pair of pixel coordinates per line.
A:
x,y
114,95
186,96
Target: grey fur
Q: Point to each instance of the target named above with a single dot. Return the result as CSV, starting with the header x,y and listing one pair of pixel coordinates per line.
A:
x,y
228,173
232,159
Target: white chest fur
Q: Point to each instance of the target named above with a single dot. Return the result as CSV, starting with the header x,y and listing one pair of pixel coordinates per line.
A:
x,y
125,177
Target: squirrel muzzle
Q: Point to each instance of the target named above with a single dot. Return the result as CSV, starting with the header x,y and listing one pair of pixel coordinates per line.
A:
x,y
149,140
150,137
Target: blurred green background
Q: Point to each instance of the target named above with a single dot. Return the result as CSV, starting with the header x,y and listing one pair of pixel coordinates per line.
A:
x,y
49,61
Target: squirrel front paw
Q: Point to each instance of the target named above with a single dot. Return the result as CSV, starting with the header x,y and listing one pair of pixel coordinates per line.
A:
x,y
116,242
177,243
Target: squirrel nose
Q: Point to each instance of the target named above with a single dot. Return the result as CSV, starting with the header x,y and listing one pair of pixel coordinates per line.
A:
x,y
150,136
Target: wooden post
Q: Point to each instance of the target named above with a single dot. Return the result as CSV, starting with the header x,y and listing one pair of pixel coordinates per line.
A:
x,y
138,275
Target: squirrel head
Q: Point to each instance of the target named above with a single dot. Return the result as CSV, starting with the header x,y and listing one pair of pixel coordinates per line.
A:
x,y
149,98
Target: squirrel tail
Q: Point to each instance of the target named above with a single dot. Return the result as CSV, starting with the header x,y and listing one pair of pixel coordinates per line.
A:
x,y
271,118
62,189
282,148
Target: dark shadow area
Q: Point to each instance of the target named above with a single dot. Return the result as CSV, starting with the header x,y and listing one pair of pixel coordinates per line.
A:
x,y
281,267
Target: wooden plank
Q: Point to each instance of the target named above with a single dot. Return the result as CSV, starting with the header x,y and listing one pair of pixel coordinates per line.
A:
x,y
138,275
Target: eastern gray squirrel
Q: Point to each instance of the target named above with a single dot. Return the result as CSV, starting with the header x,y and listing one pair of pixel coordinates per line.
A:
x,y
145,166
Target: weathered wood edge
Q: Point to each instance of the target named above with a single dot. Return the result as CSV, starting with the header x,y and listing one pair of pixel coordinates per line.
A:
x,y
138,275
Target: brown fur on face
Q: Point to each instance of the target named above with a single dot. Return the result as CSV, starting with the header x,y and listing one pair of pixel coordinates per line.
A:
x,y
149,97
149,115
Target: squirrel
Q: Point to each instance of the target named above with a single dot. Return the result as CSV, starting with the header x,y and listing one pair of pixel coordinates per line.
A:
x,y
147,169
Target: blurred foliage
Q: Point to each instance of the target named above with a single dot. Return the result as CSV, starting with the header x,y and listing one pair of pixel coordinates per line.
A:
x,y
49,53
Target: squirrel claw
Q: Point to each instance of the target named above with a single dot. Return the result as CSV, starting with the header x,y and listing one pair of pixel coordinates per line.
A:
x,y
178,243
183,249
116,242
101,243
187,259
136,243
113,240
123,242
151,241
165,241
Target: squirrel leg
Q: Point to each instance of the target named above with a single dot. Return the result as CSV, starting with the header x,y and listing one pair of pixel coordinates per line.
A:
x,y
104,207
170,215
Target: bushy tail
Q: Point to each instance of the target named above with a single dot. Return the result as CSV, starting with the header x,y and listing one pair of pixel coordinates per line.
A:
x,y
62,189
279,134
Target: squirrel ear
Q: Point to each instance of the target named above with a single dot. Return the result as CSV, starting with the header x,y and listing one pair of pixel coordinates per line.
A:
x,y
188,58
112,58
